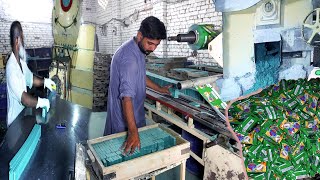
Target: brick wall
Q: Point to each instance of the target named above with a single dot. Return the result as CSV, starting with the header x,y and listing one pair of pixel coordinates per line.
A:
x,y
109,35
109,17
36,22
88,11
178,16
181,16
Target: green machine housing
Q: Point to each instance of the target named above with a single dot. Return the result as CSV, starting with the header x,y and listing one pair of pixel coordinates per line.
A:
x,y
198,37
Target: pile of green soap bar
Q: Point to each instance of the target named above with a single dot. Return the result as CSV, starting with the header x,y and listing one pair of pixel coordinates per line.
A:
x,y
152,140
279,130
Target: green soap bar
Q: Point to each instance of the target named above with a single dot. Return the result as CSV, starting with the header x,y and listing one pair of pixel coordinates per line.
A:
x,y
248,124
286,167
300,158
301,174
104,162
160,144
259,177
119,152
195,104
117,159
127,158
172,141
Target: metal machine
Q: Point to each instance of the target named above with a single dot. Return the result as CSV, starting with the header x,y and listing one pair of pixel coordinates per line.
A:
x,y
199,114
200,122
198,37
66,24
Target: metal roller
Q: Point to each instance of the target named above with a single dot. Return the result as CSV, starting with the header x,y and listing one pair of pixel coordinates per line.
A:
x,y
197,82
198,37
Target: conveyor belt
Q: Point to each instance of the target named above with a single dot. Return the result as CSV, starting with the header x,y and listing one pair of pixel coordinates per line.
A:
x,y
211,119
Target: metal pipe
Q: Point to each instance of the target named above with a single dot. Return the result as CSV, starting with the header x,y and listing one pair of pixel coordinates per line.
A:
x,y
189,38
197,82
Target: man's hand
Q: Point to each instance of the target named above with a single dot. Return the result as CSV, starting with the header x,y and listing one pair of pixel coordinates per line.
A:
x,y
48,83
42,102
132,142
165,89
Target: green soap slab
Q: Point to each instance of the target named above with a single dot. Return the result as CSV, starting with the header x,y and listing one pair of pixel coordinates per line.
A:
x,y
172,141
119,152
153,147
160,144
135,155
17,166
104,161
126,158
21,153
118,159
117,147
16,159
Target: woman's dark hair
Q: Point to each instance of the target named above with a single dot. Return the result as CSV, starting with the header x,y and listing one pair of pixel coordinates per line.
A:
x,y
15,32
151,27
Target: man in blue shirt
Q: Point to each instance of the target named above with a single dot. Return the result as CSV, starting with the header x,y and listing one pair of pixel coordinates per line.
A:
x,y
128,82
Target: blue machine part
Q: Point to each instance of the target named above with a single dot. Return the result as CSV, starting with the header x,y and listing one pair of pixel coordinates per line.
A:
x,y
66,3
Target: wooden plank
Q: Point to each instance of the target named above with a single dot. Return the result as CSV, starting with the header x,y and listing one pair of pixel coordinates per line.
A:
x,y
197,158
112,136
178,122
183,171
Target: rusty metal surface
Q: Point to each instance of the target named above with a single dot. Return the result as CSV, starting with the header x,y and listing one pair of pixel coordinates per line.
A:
x,y
222,164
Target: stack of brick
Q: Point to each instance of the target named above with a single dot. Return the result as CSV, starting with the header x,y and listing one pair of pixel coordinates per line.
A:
x,y
101,74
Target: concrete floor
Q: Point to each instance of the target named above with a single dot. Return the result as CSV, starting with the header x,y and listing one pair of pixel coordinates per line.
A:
x,y
96,129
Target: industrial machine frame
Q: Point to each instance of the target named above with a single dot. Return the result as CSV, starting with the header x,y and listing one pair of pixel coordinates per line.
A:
x,y
187,126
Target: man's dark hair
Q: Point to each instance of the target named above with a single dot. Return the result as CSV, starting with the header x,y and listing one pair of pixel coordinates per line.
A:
x,y
151,27
15,32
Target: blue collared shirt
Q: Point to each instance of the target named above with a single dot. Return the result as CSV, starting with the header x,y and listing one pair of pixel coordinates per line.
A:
x,y
127,79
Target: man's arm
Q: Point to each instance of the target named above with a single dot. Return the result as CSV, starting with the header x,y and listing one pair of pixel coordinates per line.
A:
x,y
28,101
133,140
45,83
156,87
37,82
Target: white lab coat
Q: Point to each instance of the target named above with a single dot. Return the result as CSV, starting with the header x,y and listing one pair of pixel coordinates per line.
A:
x,y
17,82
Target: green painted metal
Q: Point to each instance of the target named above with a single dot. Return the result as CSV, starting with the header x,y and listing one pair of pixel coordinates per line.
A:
x,y
205,33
